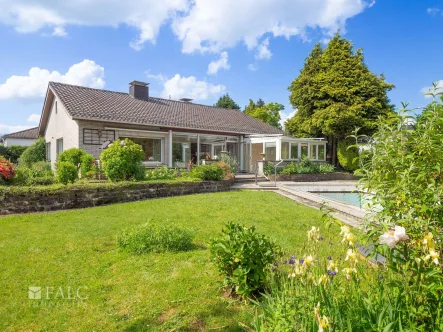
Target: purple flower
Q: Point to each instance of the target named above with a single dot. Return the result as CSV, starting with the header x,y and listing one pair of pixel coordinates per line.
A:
x,y
321,238
292,260
380,277
275,263
329,258
301,261
332,273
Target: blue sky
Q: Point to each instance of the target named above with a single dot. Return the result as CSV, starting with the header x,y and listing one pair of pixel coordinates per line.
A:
x,y
256,47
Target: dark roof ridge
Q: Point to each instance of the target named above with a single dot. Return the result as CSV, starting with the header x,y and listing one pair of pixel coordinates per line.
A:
x,y
19,132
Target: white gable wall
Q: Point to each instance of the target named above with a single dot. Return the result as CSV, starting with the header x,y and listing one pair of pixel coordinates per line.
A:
x,y
19,141
60,125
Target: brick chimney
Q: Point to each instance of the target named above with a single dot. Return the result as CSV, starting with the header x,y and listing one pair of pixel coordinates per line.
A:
x,y
139,90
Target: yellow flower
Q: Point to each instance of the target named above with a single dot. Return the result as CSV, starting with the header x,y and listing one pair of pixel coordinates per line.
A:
x,y
314,234
332,266
309,260
344,230
434,255
348,271
350,238
323,280
417,260
324,322
428,241
351,256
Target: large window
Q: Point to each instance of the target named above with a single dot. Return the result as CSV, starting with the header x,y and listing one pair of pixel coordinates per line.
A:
x,y
270,151
59,146
97,137
313,155
48,151
294,150
285,150
304,150
321,152
152,148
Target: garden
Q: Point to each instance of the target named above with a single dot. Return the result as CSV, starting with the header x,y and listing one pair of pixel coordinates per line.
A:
x,y
121,162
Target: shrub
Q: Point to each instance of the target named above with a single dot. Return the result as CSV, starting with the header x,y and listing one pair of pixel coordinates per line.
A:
x,y
307,167
34,153
153,237
66,172
244,258
12,153
39,173
208,172
231,161
227,171
161,173
325,168
7,171
77,157
122,160
347,155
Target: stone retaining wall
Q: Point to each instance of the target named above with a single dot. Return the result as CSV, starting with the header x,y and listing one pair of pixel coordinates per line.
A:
x,y
314,177
75,198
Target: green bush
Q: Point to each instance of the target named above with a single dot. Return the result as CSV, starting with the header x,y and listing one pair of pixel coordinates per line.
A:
x,y
231,161
34,153
122,160
347,155
12,153
244,258
153,237
161,173
39,173
208,172
305,166
77,157
66,172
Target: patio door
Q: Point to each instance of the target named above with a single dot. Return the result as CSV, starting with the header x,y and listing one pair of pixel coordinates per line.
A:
x,y
217,149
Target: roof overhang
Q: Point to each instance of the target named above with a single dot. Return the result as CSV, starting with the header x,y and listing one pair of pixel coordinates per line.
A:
x,y
49,99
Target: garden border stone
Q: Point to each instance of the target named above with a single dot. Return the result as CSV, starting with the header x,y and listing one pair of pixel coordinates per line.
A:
x,y
314,177
77,197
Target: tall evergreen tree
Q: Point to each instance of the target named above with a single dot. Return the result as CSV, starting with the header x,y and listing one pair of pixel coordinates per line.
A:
x,y
335,93
269,113
226,101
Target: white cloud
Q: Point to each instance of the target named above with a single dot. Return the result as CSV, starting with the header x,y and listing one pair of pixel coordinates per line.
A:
x,y
216,25
189,87
252,67
430,89
201,25
285,117
34,85
263,51
157,77
34,118
147,16
433,11
59,32
6,129
221,63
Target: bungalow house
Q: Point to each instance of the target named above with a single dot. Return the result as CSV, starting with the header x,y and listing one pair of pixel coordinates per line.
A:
x,y
23,138
171,132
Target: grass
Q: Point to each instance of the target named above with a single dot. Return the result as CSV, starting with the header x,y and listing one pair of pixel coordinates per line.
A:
x,y
126,292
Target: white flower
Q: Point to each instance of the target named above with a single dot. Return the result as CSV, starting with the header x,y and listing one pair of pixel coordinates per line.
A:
x,y
390,238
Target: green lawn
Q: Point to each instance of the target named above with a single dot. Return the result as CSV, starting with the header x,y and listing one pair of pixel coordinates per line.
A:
x,y
179,291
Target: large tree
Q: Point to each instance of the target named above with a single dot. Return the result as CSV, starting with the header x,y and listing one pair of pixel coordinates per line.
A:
x,y
335,93
268,113
226,101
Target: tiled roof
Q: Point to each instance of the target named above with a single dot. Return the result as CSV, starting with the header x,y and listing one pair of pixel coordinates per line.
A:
x,y
28,133
103,105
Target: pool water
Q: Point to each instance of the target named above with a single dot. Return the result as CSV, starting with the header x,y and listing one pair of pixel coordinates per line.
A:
x,y
344,197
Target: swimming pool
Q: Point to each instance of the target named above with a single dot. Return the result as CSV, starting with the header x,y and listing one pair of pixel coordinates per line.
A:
x,y
351,198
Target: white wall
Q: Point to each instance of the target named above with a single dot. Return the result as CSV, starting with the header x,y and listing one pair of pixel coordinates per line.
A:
x,y
19,141
60,125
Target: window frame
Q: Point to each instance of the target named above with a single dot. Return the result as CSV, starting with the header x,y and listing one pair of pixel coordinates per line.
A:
x,y
57,147
110,136
48,151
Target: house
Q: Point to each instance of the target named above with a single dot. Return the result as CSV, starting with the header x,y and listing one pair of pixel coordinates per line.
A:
x,y
171,132
23,138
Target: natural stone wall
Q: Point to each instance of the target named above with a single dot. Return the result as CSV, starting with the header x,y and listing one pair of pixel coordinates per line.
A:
x,y
314,177
79,197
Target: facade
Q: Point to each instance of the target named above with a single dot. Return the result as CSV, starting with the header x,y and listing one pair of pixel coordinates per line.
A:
x,y
23,138
172,133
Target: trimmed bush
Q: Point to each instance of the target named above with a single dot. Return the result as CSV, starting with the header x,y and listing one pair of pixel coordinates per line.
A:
x,y
244,257
347,157
66,172
208,172
161,173
157,238
34,153
122,160
231,161
77,157
39,173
